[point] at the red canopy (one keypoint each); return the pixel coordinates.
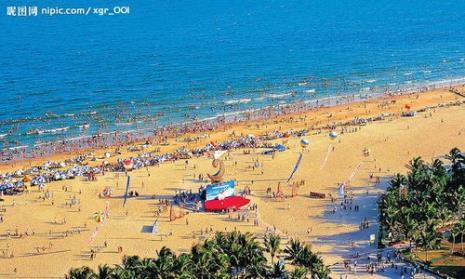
(232, 202)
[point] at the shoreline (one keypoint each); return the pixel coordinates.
(67, 145)
(168, 133)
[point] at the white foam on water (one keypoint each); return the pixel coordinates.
(279, 96)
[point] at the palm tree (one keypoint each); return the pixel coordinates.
(183, 264)
(208, 261)
(253, 257)
(461, 228)
(320, 269)
(272, 245)
(277, 271)
(229, 244)
(104, 272)
(294, 252)
(417, 177)
(454, 156)
(432, 196)
(389, 213)
(257, 268)
(298, 273)
(301, 255)
(122, 273)
(244, 252)
(131, 262)
(428, 239)
(455, 231)
(411, 226)
(80, 273)
(165, 262)
(398, 181)
(147, 268)
(225, 256)
(457, 169)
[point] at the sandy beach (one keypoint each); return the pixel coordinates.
(44, 237)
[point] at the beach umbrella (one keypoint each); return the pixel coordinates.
(99, 217)
(304, 143)
(333, 134)
(26, 179)
(128, 164)
(57, 176)
(280, 147)
(219, 153)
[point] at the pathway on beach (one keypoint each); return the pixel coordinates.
(350, 245)
(386, 270)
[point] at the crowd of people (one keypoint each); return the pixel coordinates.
(389, 262)
(162, 133)
(16, 181)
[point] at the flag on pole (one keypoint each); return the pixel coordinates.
(93, 235)
(127, 190)
(296, 167)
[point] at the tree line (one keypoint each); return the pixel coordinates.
(420, 206)
(226, 255)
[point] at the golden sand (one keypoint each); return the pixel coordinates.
(392, 142)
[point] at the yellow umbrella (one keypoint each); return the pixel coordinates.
(26, 179)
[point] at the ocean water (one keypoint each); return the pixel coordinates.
(175, 61)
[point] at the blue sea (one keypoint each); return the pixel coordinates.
(169, 61)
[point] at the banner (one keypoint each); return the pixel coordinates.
(127, 190)
(296, 167)
(219, 190)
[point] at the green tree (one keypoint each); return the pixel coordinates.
(272, 245)
(80, 273)
(104, 272)
(298, 273)
(300, 254)
(455, 231)
(165, 262)
(277, 271)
